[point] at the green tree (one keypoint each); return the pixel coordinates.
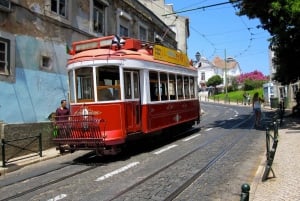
(281, 18)
(214, 81)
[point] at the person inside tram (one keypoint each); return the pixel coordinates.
(104, 93)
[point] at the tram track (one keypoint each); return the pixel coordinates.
(172, 195)
(41, 186)
(211, 162)
(35, 176)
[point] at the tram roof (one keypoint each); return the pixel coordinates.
(106, 48)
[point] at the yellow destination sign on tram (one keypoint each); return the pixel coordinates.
(170, 55)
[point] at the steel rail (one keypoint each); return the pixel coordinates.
(198, 174)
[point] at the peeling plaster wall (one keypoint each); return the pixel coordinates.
(35, 93)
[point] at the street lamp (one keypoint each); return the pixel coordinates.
(198, 57)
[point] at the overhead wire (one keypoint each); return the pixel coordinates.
(207, 36)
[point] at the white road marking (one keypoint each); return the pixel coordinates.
(192, 137)
(165, 149)
(59, 197)
(208, 129)
(117, 171)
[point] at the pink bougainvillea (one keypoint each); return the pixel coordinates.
(255, 76)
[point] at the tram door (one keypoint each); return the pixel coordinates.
(132, 101)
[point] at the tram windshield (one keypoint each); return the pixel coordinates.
(84, 84)
(108, 83)
(106, 78)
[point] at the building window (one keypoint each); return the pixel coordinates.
(202, 76)
(124, 31)
(143, 34)
(98, 17)
(4, 56)
(124, 23)
(46, 63)
(59, 7)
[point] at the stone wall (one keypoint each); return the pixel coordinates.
(27, 133)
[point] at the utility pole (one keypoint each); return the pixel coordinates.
(225, 76)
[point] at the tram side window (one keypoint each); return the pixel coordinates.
(186, 87)
(136, 88)
(164, 86)
(154, 94)
(180, 87)
(172, 87)
(192, 87)
(84, 84)
(108, 83)
(131, 77)
(127, 85)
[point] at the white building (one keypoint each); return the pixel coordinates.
(207, 69)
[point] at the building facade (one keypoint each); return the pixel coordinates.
(178, 24)
(35, 36)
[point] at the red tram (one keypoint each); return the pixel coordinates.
(124, 90)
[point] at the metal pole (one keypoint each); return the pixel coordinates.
(225, 60)
(245, 192)
(3, 153)
(40, 145)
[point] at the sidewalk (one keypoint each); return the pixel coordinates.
(24, 161)
(285, 186)
(286, 165)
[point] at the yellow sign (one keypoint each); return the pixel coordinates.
(170, 55)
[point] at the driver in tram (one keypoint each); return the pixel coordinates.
(104, 94)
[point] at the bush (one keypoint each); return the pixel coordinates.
(253, 84)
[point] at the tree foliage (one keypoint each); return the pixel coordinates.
(281, 18)
(252, 80)
(254, 76)
(214, 81)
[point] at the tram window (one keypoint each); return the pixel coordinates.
(108, 83)
(127, 85)
(172, 87)
(136, 88)
(192, 87)
(179, 87)
(186, 88)
(84, 84)
(129, 78)
(154, 94)
(164, 86)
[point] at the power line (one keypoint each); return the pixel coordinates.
(202, 8)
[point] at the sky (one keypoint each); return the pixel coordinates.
(218, 31)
